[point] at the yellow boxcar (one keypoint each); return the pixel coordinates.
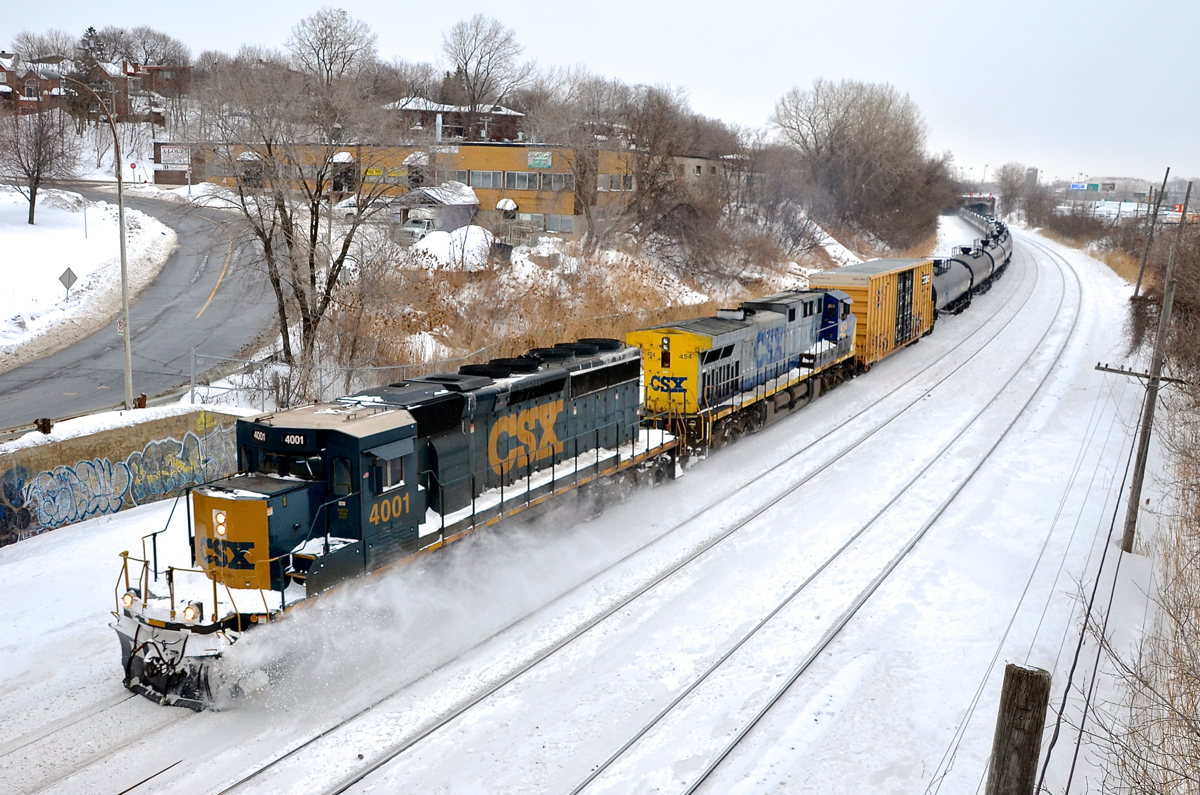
(893, 302)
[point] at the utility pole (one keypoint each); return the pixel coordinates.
(1164, 325)
(127, 332)
(1012, 769)
(1137, 288)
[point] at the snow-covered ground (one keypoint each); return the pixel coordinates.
(998, 418)
(37, 316)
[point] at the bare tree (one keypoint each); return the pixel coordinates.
(1011, 178)
(292, 147)
(863, 145)
(36, 148)
(149, 47)
(108, 44)
(584, 113)
(36, 46)
(332, 46)
(485, 56)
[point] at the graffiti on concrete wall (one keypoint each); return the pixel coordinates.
(34, 502)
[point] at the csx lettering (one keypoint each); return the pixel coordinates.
(228, 554)
(768, 347)
(668, 383)
(527, 436)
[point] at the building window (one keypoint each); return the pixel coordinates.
(521, 180)
(612, 182)
(135, 84)
(698, 170)
(3, 77)
(31, 87)
(487, 179)
(536, 220)
(558, 183)
(560, 223)
(442, 177)
(712, 169)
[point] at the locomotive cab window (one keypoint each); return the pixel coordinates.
(293, 466)
(389, 473)
(342, 482)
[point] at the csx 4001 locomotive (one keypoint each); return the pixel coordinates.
(326, 493)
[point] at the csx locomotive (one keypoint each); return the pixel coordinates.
(330, 492)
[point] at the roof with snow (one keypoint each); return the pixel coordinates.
(448, 194)
(426, 105)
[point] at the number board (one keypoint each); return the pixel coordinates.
(302, 439)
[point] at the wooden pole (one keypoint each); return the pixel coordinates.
(1156, 362)
(1137, 288)
(1012, 769)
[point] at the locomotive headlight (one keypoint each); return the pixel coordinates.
(219, 522)
(129, 597)
(193, 611)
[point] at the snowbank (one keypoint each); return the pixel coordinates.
(108, 420)
(38, 317)
(464, 249)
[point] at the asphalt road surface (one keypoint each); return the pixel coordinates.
(202, 299)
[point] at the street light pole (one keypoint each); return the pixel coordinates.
(128, 332)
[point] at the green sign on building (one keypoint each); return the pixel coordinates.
(540, 159)
(1094, 186)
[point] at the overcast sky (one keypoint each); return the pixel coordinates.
(1092, 87)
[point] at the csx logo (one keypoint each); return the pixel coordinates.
(527, 436)
(228, 554)
(668, 383)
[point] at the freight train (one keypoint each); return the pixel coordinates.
(331, 492)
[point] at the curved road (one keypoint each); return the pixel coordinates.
(172, 316)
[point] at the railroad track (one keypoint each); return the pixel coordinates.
(381, 763)
(56, 753)
(375, 764)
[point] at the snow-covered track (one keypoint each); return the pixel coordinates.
(56, 753)
(1060, 325)
(789, 487)
(865, 594)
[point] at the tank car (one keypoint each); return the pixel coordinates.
(712, 379)
(329, 492)
(952, 281)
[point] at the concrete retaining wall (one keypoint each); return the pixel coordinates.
(56, 483)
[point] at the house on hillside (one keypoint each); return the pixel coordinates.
(170, 82)
(8, 79)
(37, 85)
(440, 121)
